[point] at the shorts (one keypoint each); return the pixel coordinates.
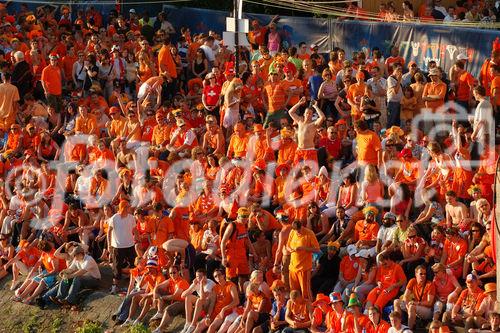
(175, 309)
(237, 267)
(49, 281)
(263, 318)
(306, 155)
(120, 258)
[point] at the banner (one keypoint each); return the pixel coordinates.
(420, 43)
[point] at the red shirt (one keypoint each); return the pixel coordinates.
(211, 94)
(332, 146)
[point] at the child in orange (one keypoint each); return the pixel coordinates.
(298, 311)
(408, 105)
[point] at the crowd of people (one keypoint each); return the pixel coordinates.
(296, 192)
(431, 11)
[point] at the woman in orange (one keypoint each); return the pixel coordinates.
(354, 95)
(146, 68)
(47, 149)
(462, 173)
(439, 173)
(33, 287)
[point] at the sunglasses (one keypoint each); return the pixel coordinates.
(475, 230)
(243, 216)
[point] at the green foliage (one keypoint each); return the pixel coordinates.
(90, 327)
(139, 328)
(30, 326)
(56, 325)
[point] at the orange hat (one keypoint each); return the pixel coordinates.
(193, 82)
(258, 128)
(229, 68)
(113, 110)
(282, 167)
(321, 298)
(340, 122)
(290, 68)
(277, 284)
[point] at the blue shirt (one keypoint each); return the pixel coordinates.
(314, 83)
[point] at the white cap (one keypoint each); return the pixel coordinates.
(352, 250)
(364, 253)
(462, 56)
(313, 46)
(132, 11)
(115, 48)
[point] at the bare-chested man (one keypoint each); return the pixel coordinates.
(306, 131)
(282, 256)
(456, 212)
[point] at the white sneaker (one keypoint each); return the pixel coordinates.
(157, 316)
(114, 290)
(127, 322)
(156, 330)
(186, 326)
(190, 329)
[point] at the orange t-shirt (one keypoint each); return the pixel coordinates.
(276, 96)
(181, 222)
(51, 75)
(349, 268)
(355, 91)
(455, 250)
(465, 82)
(87, 125)
(368, 145)
(421, 293)
(390, 275)
(223, 296)
(301, 260)
(174, 284)
(382, 327)
(298, 310)
(363, 321)
(67, 65)
(166, 61)
(365, 231)
(238, 145)
(291, 86)
(432, 88)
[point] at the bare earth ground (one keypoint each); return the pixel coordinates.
(97, 307)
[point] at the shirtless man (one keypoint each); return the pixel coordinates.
(456, 212)
(306, 131)
(282, 257)
(124, 156)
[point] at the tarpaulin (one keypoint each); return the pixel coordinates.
(420, 43)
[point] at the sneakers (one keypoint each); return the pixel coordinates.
(190, 329)
(127, 322)
(156, 330)
(185, 328)
(114, 290)
(157, 316)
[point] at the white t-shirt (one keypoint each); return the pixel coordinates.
(122, 235)
(209, 285)
(404, 329)
(386, 233)
(484, 112)
(209, 53)
(391, 97)
(89, 264)
(211, 240)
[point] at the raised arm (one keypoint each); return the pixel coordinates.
(292, 112)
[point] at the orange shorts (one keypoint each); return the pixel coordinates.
(306, 155)
(237, 266)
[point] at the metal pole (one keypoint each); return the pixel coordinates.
(237, 14)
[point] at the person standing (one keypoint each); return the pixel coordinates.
(483, 118)
(121, 240)
(394, 95)
(22, 76)
(52, 83)
(302, 243)
(9, 99)
(167, 69)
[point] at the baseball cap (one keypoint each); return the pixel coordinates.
(390, 216)
(352, 250)
(335, 297)
(462, 56)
